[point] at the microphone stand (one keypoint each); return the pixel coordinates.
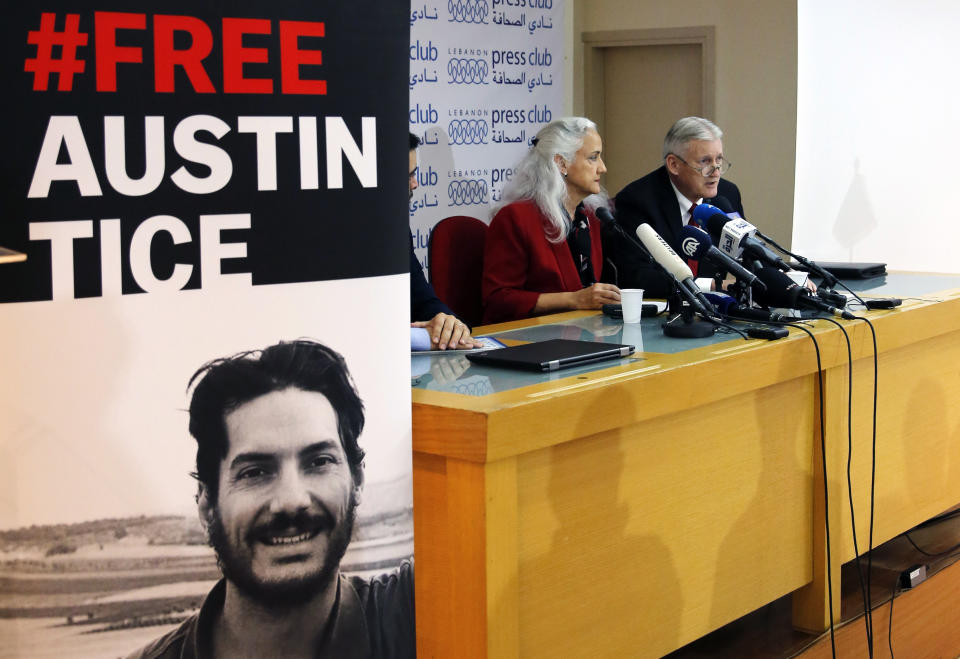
(683, 324)
(828, 281)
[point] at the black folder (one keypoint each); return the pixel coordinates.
(854, 270)
(551, 355)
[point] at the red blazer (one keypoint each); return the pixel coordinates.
(519, 263)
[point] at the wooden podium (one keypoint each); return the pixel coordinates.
(630, 509)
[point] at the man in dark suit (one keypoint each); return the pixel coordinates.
(692, 164)
(426, 309)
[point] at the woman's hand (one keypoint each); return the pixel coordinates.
(595, 296)
(591, 297)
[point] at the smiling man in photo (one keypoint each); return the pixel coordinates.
(280, 475)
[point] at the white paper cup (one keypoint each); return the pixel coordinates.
(631, 301)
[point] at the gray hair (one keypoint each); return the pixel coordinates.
(538, 178)
(686, 130)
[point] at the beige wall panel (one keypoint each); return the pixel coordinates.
(634, 117)
(756, 87)
(917, 418)
(698, 534)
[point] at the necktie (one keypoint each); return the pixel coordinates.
(690, 262)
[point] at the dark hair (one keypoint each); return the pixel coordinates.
(414, 141)
(223, 385)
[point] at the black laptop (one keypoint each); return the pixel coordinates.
(551, 355)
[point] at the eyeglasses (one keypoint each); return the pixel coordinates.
(721, 166)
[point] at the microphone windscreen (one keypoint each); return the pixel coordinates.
(694, 242)
(603, 214)
(662, 253)
(781, 291)
(721, 301)
(715, 224)
(722, 203)
(703, 212)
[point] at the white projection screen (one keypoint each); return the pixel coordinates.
(878, 133)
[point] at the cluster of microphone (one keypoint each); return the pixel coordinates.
(731, 244)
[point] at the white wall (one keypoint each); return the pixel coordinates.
(878, 144)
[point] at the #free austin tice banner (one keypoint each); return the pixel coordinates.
(485, 76)
(188, 181)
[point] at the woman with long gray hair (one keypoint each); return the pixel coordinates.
(543, 252)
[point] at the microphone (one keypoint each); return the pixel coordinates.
(832, 297)
(803, 263)
(782, 292)
(604, 215)
(703, 212)
(696, 244)
(663, 254)
(736, 236)
(724, 205)
(721, 302)
(826, 277)
(743, 312)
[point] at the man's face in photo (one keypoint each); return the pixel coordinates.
(285, 509)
